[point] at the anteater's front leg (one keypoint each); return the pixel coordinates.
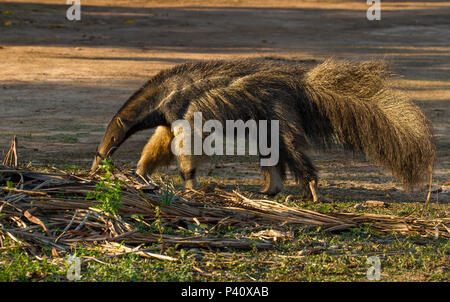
(188, 168)
(273, 180)
(157, 152)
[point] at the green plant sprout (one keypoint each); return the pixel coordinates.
(107, 192)
(167, 195)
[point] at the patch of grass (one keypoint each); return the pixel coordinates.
(343, 258)
(16, 265)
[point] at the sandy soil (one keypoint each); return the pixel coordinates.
(61, 81)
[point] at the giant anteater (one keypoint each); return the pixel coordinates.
(349, 104)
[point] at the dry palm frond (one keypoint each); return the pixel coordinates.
(11, 158)
(56, 203)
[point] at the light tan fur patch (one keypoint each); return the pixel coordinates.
(157, 152)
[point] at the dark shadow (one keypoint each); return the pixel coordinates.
(170, 60)
(337, 194)
(200, 29)
(237, 27)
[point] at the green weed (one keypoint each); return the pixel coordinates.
(107, 192)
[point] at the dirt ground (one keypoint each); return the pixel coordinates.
(61, 81)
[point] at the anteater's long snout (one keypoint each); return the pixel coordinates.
(124, 124)
(115, 134)
(95, 163)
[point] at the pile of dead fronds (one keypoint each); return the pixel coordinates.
(50, 209)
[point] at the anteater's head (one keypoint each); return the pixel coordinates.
(122, 126)
(116, 133)
(138, 113)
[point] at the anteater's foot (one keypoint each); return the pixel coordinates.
(142, 172)
(273, 181)
(312, 194)
(190, 184)
(270, 191)
(145, 183)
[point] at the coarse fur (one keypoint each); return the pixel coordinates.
(157, 151)
(334, 103)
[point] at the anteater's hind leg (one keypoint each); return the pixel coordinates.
(273, 180)
(309, 179)
(293, 156)
(157, 152)
(310, 191)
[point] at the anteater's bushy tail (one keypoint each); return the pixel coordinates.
(352, 105)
